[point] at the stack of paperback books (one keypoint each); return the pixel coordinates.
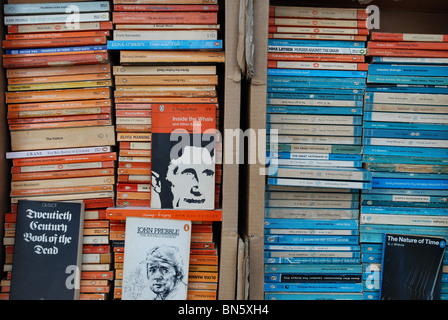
(405, 145)
(166, 79)
(59, 116)
(315, 102)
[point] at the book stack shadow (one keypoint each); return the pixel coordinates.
(405, 141)
(59, 115)
(167, 57)
(315, 86)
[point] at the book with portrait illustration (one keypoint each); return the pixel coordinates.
(183, 156)
(156, 259)
(47, 251)
(412, 267)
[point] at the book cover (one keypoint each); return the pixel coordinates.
(47, 250)
(183, 156)
(411, 267)
(157, 266)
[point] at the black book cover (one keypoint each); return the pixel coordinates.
(411, 267)
(47, 251)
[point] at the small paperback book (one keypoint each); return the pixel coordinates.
(412, 267)
(47, 251)
(183, 157)
(156, 259)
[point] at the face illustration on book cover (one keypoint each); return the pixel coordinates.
(160, 276)
(186, 183)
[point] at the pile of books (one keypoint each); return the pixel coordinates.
(315, 102)
(59, 114)
(168, 59)
(405, 145)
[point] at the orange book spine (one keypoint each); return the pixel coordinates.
(165, 18)
(407, 45)
(133, 113)
(133, 203)
(46, 61)
(133, 107)
(78, 77)
(55, 112)
(96, 224)
(60, 119)
(133, 195)
(318, 23)
(162, 8)
(135, 153)
(62, 174)
(58, 71)
(62, 167)
(57, 95)
(130, 145)
(138, 171)
(105, 275)
(129, 136)
(116, 213)
(132, 128)
(317, 65)
(203, 259)
(144, 100)
(59, 105)
(166, 80)
(314, 30)
(386, 36)
(99, 203)
(123, 91)
(315, 12)
(314, 57)
(61, 190)
(134, 57)
(59, 27)
(133, 178)
(66, 124)
(407, 53)
(201, 237)
(108, 156)
(128, 164)
(56, 35)
(133, 187)
(202, 276)
(48, 43)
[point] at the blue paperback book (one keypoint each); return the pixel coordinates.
(163, 44)
(408, 70)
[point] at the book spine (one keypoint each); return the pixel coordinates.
(316, 12)
(167, 80)
(409, 183)
(60, 42)
(313, 110)
(162, 8)
(57, 71)
(333, 130)
(408, 45)
(60, 85)
(317, 73)
(57, 95)
(317, 65)
(309, 30)
(68, 78)
(55, 18)
(56, 50)
(163, 44)
(404, 117)
(49, 8)
(315, 50)
(170, 56)
(66, 60)
(319, 183)
(405, 134)
(56, 152)
(62, 166)
(301, 36)
(316, 43)
(310, 239)
(406, 142)
(56, 35)
(312, 57)
(315, 82)
(407, 53)
(62, 174)
(308, 119)
(164, 70)
(383, 36)
(313, 156)
(405, 151)
(62, 138)
(407, 70)
(165, 17)
(406, 98)
(328, 23)
(58, 27)
(385, 79)
(166, 35)
(403, 219)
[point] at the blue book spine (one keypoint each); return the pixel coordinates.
(313, 260)
(317, 43)
(426, 143)
(314, 296)
(316, 82)
(405, 151)
(425, 230)
(323, 156)
(404, 204)
(371, 248)
(315, 96)
(314, 268)
(312, 247)
(316, 73)
(404, 210)
(409, 183)
(407, 160)
(409, 134)
(313, 287)
(313, 110)
(410, 192)
(404, 199)
(163, 44)
(427, 90)
(393, 79)
(400, 125)
(311, 224)
(323, 102)
(407, 175)
(56, 50)
(389, 60)
(310, 239)
(408, 70)
(319, 183)
(308, 90)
